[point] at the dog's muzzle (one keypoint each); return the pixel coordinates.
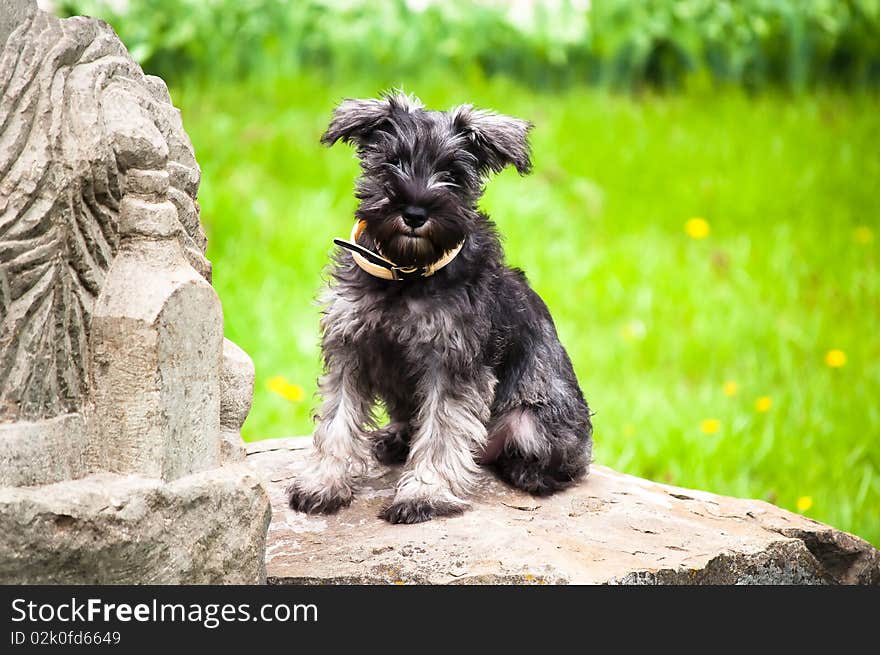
(378, 266)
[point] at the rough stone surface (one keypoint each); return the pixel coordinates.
(237, 385)
(114, 373)
(48, 450)
(156, 342)
(237, 390)
(206, 528)
(80, 122)
(611, 529)
(14, 13)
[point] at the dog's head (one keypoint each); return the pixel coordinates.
(423, 171)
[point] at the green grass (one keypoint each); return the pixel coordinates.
(655, 321)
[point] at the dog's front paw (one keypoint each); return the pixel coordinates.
(391, 444)
(419, 510)
(322, 501)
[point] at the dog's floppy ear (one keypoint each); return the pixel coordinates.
(495, 140)
(353, 120)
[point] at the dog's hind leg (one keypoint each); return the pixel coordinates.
(390, 444)
(538, 451)
(340, 446)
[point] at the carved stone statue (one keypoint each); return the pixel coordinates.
(120, 400)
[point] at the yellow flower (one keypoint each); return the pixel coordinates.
(804, 503)
(835, 358)
(763, 404)
(863, 234)
(730, 388)
(285, 389)
(697, 228)
(710, 426)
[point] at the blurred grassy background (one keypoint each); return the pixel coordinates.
(703, 219)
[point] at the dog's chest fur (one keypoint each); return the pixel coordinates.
(402, 333)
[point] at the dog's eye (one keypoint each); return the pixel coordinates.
(455, 175)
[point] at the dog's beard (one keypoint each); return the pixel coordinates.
(408, 249)
(421, 246)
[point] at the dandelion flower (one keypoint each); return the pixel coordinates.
(804, 503)
(278, 384)
(697, 228)
(730, 388)
(835, 358)
(863, 234)
(710, 426)
(763, 404)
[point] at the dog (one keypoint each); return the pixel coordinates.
(422, 314)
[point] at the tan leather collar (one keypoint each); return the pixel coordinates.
(379, 266)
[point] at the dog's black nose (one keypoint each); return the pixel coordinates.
(414, 216)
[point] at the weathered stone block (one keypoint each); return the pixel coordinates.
(157, 340)
(206, 528)
(114, 374)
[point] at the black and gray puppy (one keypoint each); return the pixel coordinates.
(423, 315)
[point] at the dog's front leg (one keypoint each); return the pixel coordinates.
(340, 447)
(450, 430)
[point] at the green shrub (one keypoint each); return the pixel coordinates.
(623, 44)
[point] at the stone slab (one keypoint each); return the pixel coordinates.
(611, 529)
